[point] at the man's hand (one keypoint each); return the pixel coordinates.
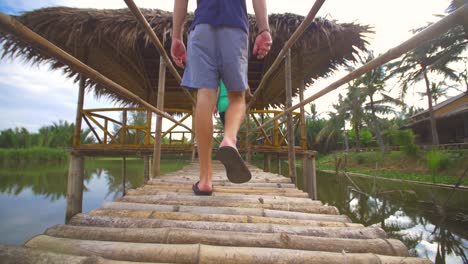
(178, 52)
(262, 45)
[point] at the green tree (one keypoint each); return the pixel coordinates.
(372, 84)
(433, 57)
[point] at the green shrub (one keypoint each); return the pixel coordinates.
(405, 139)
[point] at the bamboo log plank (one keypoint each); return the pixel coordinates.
(220, 180)
(123, 222)
(225, 210)
(153, 191)
(294, 207)
(15, 255)
(219, 177)
(267, 185)
(216, 218)
(243, 199)
(222, 238)
(196, 253)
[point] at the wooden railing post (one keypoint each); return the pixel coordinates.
(290, 121)
(124, 127)
(160, 105)
(146, 165)
(309, 174)
(124, 175)
(194, 141)
(79, 115)
(75, 186)
(267, 162)
(248, 154)
(149, 116)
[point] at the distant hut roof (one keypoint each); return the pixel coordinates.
(112, 42)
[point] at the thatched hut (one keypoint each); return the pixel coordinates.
(113, 43)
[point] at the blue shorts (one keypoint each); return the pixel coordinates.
(215, 53)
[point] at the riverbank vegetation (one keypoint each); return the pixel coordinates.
(444, 167)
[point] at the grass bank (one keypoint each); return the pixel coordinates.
(36, 155)
(398, 165)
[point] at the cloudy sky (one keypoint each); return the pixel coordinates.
(33, 96)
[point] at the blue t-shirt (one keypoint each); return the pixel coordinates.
(227, 13)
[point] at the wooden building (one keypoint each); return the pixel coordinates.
(451, 118)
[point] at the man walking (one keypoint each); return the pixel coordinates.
(217, 48)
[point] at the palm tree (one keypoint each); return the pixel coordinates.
(433, 57)
(373, 83)
(334, 128)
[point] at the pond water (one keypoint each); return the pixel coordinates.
(432, 222)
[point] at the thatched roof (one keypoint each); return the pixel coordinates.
(112, 42)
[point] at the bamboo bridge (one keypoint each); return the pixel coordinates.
(266, 220)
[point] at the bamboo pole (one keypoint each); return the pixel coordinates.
(420, 38)
(216, 192)
(225, 210)
(311, 176)
(291, 134)
(15, 254)
(124, 174)
(181, 216)
(198, 253)
(160, 105)
(79, 109)
(338, 232)
(146, 165)
(292, 40)
(75, 186)
(273, 186)
(267, 162)
(223, 238)
(290, 207)
(226, 198)
(154, 38)
(11, 25)
(302, 116)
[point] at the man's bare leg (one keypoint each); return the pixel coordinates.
(206, 100)
(234, 116)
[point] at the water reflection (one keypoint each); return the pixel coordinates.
(34, 198)
(432, 222)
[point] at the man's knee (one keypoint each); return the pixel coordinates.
(236, 96)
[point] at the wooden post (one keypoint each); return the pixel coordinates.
(79, 115)
(149, 116)
(146, 164)
(75, 186)
(309, 173)
(301, 98)
(278, 165)
(124, 175)
(290, 121)
(267, 162)
(276, 133)
(248, 154)
(160, 105)
(123, 140)
(194, 141)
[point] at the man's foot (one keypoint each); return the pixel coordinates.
(196, 189)
(236, 170)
